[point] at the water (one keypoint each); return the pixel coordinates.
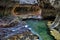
(40, 28)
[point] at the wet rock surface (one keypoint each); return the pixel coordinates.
(15, 28)
(10, 26)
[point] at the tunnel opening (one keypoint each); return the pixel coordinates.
(25, 10)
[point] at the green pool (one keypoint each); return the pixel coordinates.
(40, 28)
